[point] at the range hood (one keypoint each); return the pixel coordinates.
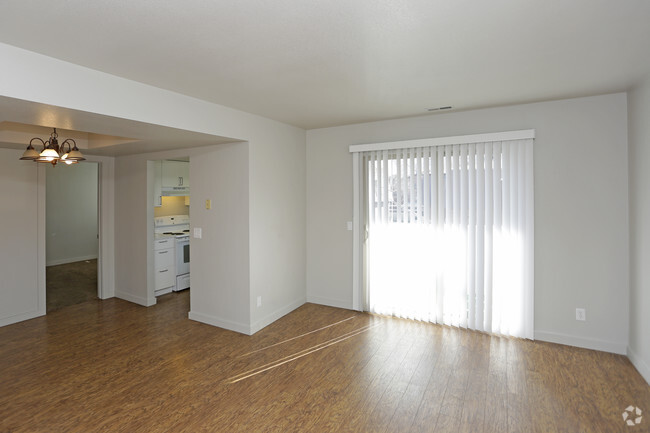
(175, 191)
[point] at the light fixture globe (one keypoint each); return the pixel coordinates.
(75, 155)
(49, 153)
(30, 154)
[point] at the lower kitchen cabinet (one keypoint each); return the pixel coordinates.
(164, 266)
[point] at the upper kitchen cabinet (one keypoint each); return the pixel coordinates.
(175, 177)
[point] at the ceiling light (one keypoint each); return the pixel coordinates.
(52, 152)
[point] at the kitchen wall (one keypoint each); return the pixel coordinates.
(22, 294)
(581, 209)
(71, 213)
(639, 162)
(172, 206)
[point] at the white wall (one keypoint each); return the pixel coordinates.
(277, 226)
(581, 217)
(132, 240)
(220, 260)
(71, 213)
(639, 170)
(22, 270)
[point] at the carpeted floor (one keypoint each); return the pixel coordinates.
(71, 283)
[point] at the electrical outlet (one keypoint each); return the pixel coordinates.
(581, 314)
(259, 301)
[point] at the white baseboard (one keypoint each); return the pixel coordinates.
(584, 342)
(219, 322)
(20, 317)
(639, 363)
(270, 318)
(329, 302)
(70, 260)
(134, 298)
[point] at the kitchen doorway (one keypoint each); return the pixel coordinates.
(71, 234)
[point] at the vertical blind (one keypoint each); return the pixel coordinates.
(450, 235)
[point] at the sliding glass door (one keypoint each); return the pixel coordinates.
(449, 234)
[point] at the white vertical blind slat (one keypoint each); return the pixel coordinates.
(384, 186)
(489, 231)
(404, 180)
(479, 279)
(426, 164)
(371, 187)
(470, 271)
(441, 196)
(398, 156)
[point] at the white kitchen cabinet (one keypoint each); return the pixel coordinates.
(175, 174)
(164, 265)
(157, 183)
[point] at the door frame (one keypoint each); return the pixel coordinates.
(105, 228)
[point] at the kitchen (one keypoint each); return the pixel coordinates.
(171, 226)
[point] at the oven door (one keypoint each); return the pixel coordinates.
(182, 256)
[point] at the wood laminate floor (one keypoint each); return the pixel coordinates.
(70, 283)
(112, 366)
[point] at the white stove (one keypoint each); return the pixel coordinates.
(178, 228)
(174, 225)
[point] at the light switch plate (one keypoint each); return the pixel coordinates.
(197, 232)
(208, 204)
(349, 225)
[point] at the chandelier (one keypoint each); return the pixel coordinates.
(52, 152)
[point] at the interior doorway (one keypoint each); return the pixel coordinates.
(71, 234)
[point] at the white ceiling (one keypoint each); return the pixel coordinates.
(318, 63)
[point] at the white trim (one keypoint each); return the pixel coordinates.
(105, 225)
(151, 279)
(639, 364)
(106, 228)
(584, 342)
(41, 205)
(356, 233)
(337, 303)
(20, 317)
(242, 328)
(71, 260)
(135, 299)
(444, 141)
(270, 318)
